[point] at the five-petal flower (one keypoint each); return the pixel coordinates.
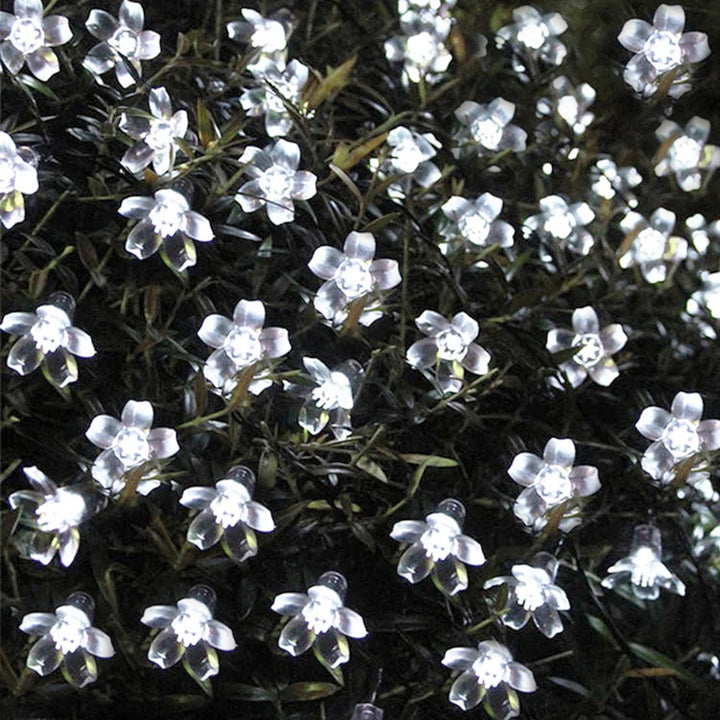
(127, 444)
(228, 511)
(559, 222)
(438, 546)
(487, 130)
(474, 223)
(48, 337)
(676, 435)
(68, 637)
(269, 35)
(189, 632)
(18, 177)
(570, 103)
(610, 181)
(320, 618)
(122, 41)
(27, 37)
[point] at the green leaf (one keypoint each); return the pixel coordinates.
(658, 660)
(428, 460)
(308, 691)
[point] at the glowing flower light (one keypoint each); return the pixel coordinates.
(156, 137)
(228, 512)
(594, 348)
(686, 152)
(706, 301)
(68, 637)
(351, 275)
(240, 343)
(474, 223)
(610, 181)
(320, 618)
(276, 181)
(438, 546)
(643, 569)
(660, 47)
(27, 37)
(550, 481)
(367, 711)
(48, 337)
(56, 513)
(127, 444)
(651, 244)
(189, 633)
(676, 435)
(18, 177)
(166, 221)
(569, 103)
(560, 222)
(488, 675)
(532, 593)
(267, 35)
(123, 41)
(487, 130)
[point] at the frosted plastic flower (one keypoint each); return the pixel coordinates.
(676, 435)
(487, 130)
(27, 37)
(474, 223)
(166, 221)
(123, 41)
(550, 481)
(659, 47)
(56, 513)
(189, 633)
(563, 223)
(269, 35)
(351, 275)
(68, 637)
(18, 177)
(367, 711)
(643, 569)
(593, 348)
(436, 7)
(489, 675)
(706, 301)
(240, 343)
(532, 38)
(127, 444)
(610, 181)
(686, 152)
(48, 337)
(276, 87)
(570, 103)
(532, 593)
(320, 618)
(438, 547)
(276, 181)
(650, 244)
(702, 233)
(228, 512)
(156, 137)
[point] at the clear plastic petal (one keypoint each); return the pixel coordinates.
(548, 622)
(18, 323)
(431, 323)
(159, 616)
(613, 338)
(44, 657)
(460, 658)
(137, 414)
(687, 406)
(57, 30)
(204, 530)
(408, 531)
(350, 623)
(657, 461)
(634, 35)
(148, 45)
(249, 313)
(670, 18)
(100, 59)
(296, 637)
(198, 498)
(37, 623)
(585, 320)
(415, 565)
(165, 649)
(452, 575)
(107, 469)
(240, 542)
(132, 15)
(98, 643)
(61, 367)
(423, 353)
(79, 343)
(202, 661)
(477, 359)
(81, 668)
(68, 546)
(275, 342)
(12, 58)
(325, 262)
(214, 330)
(695, 46)
(280, 210)
(585, 480)
(24, 356)
(605, 372)
(101, 24)
(139, 156)
(286, 154)
(559, 451)
(469, 551)
(197, 226)
(529, 506)
(524, 468)
(163, 442)
(219, 635)
(558, 340)
(259, 517)
(652, 422)
(709, 432)
(466, 692)
(360, 246)
(289, 603)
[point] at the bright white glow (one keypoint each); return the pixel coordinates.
(662, 49)
(490, 669)
(319, 613)
(645, 567)
(421, 49)
(277, 182)
(228, 506)
(649, 245)
(189, 625)
(681, 438)
(407, 156)
(68, 633)
(684, 153)
(7, 174)
(569, 109)
(451, 345)
(475, 227)
(591, 349)
(269, 35)
(287, 89)
(131, 446)
(64, 510)
(27, 35)
(532, 34)
(333, 393)
(167, 214)
(487, 132)
(530, 594)
(553, 484)
(560, 225)
(604, 188)
(547, 168)
(125, 41)
(160, 136)
(353, 277)
(439, 538)
(49, 332)
(243, 346)
(575, 152)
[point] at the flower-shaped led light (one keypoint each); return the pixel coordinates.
(166, 221)
(686, 152)
(188, 632)
(650, 244)
(127, 444)
(489, 675)
(228, 512)
(643, 569)
(610, 181)
(27, 37)
(277, 87)
(56, 513)
(449, 348)
(474, 223)
(550, 481)
(68, 637)
(676, 435)
(156, 136)
(532, 38)
(706, 301)
(659, 47)
(562, 223)
(367, 711)
(269, 36)
(18, 177)
(438, 546)
(276, 181)
(320, 618)
(122, 41)
(328, 403)
(532, 593)
(351, 275)
(487, 130)
(240, 343)
(569, 103)
(48, 337)
(594, 348)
